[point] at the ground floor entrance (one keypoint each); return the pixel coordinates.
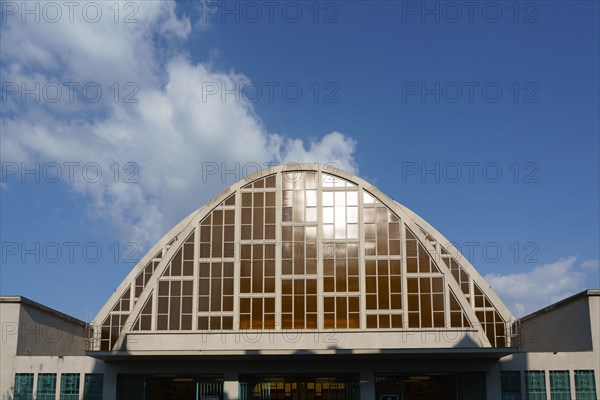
(299, 387)
(169, 387)
(431, 386)
(292, 386)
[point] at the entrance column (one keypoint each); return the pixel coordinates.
(367, 384)
(231, 386)
(494, 391)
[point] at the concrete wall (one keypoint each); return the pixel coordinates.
(564, 328)
(44, 334)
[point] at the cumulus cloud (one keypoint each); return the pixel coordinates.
(530, 291)
(170, 132)
(591, 264)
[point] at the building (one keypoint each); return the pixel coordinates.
(301, 282)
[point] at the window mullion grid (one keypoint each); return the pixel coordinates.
(278, 248)
(320, 254)
(403, 272)
(361, 260)
(237, 259)
(196, 277)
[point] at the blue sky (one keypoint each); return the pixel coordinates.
(482, 120)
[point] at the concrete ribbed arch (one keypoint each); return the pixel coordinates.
(169, 244)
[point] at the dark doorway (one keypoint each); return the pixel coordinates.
(169, 387)
(431, 386)
(177, 388)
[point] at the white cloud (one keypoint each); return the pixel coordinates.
(169, 133)
(592, 264)
(530, 291)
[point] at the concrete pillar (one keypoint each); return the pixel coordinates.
(367, 384)
(231, 386)
(109, 386)
(492, 381)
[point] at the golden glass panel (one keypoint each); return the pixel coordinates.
(245, 284)
(269, 321)
(413, 302)
(437, 285)
(396, 303)
(187, 288)
(259, 200)
(270, 215)
(438, 319)
(244, 321)
(354, 321)
(228, 303)
(411, 248)
(329, 320)
(270, 181)
(230, 201)
(227, 322)
(412, 285)
(341, 312)
(329, 304)
(396, 321)
(372, 321)
(163, 305)
(370, 267)
(413, 320)
(217, 217)
(425, 285)
(384, 321)
(353, 304)
(186, 322)
(371, 283)
(203, 323)
(426, 318)
(269, 305)
(395, 284)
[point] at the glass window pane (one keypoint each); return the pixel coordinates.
(69, 387)
(585, 385)
(23, 387)
(46, 387)
(535, 385)
(93, 387)
(560, 386)
(511, 385)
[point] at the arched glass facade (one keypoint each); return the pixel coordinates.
(302, 249)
